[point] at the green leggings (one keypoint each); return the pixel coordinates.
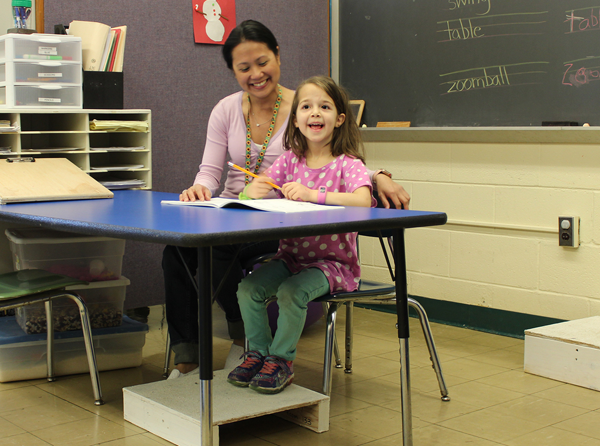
(293, 291)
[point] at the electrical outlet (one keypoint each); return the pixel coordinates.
(568, 231)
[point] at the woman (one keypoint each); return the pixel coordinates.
(248, 126)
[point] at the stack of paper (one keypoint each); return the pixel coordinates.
(118, 167)
(116, 183)
(119, 126)
(6, 126)
(52, 149)
(117, 149)
(103, 47)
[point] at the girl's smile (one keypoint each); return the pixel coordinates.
(316, 116)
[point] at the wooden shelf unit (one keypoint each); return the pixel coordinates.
(66, 133)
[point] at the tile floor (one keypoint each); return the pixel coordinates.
(493, 401)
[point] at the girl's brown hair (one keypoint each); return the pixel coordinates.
(345, 139)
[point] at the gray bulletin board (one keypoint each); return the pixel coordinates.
(181, 81)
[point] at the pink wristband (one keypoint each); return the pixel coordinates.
(322, 195)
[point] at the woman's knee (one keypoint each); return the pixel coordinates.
(175, 257)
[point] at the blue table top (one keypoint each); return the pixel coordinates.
(139, 215)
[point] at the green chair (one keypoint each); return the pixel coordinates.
(30, 286)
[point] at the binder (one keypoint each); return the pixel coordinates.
(93, 41)
(46, 179)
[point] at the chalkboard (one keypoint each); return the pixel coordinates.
(472, 62)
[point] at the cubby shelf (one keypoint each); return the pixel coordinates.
(65, 133)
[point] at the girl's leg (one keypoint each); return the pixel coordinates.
(253, 292)
(293, 296)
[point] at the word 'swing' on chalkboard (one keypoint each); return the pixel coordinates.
(472, 62)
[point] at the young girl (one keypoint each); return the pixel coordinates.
(323, 164)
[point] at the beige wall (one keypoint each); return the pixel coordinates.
(503, 191)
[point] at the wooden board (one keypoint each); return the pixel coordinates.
(394, 124)
(568, 352)
(170, 409)
(47, 179)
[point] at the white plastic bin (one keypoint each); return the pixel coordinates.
(41, 47)
(47, 72)
(104, 301)
(23, 356)
(48, 96)
(80, 256)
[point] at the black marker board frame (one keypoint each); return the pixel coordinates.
(472, 62)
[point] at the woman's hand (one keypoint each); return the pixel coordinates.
(195, 193)
(259, 187)
(388, 191)
(298, 192)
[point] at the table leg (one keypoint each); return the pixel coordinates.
(403, 335)
(205, 344)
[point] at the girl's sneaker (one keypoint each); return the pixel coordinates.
(275, 375)
(243, 374)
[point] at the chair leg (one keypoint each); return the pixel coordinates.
(49, 341)
(349, 319)
(89, 346)
(329, 341)
(167, 356)
(336, 350)
(431, 346)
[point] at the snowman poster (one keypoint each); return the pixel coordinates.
(213, 20)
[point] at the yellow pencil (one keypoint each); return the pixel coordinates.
(230, 164)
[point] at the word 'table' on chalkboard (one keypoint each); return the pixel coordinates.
(472, 62)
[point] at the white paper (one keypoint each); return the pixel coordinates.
(269, 205)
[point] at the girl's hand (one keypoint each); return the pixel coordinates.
(259, 187)
(298, 192)
(195, 193)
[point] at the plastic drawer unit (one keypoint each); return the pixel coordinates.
(40, 71)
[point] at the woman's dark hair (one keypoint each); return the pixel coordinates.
(248, 30)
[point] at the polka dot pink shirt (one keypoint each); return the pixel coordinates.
(336, 254)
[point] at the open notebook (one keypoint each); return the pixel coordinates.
(270, 205)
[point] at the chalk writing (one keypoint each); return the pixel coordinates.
(499, 25)
(585, 19)
(456, 4)
(491, 77)
(463, 31)
(578, 75)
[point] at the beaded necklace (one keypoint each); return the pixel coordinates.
(263, 149)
